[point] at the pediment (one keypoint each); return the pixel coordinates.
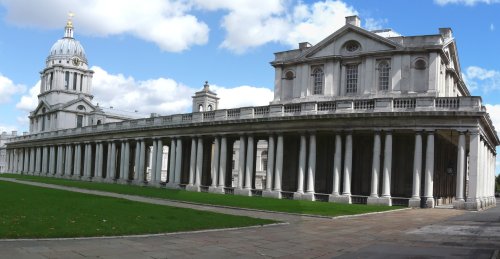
(79, 105)
(334, 45)
(40, 108)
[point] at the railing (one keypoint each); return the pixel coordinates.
(256, 192)
(261, 111)
(287, 195)
(364, 104)
(357, 199)
(209, 115)
(414, 104)
(292, 108)
(327, 106)
(321, 197)
(447, 102)
(404, 103)
(233, 113)
(228, 190)
(398, 201)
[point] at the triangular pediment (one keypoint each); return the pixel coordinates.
(79, 105)
(334, 45)
(43, 107)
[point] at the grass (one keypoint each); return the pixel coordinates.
(36, 212)
(270, 204)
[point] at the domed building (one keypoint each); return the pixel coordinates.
(65, 99)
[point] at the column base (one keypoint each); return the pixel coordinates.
(297, 195)
(372, 201)
(429, 202)
(214, 189)
(271, 194)
(172, 186)
(415, 203)
(154, 184)
(307, 196)
(473, 205)
(193, 188)
(385, 201)
(459, 204)
(243, 192)
(340, 199)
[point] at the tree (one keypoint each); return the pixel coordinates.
(497, 183)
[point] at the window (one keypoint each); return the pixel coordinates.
(232, 165)
(289, 75)
(210, 108)
(66, 80)
(351, 76)
(200, 107)
(81, 83)
(352, 46)
(81, 107)
(383, 75)
(51, 80)
(264, 164)
(74, 80)
(318, 80)
(420, 64)
(79, 121)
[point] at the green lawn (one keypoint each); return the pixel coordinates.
(292, 206)
(34, 212)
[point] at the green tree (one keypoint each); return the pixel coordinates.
(497, 185)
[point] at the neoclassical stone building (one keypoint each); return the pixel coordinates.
(361, 117)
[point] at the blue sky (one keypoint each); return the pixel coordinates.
(158, 52)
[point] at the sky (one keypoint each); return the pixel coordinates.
(152, 55)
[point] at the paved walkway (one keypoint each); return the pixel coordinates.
(437, 233)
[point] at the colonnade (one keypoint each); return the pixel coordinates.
(190, 161)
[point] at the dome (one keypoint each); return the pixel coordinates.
(67, 48)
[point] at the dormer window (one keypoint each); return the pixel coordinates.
(318, 80)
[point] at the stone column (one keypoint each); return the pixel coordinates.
(311, 169)
(126, 162)
(142, 161)
(222, 164)
(45, 160)
(270, 165)
(178, 162)
(473, 202)
(429, 171)
(199, 163)
(302, 166)
(59, 162)
(153, 161)
(249, 163)
(171, 170)
(98, 162)
(68, 168)
(52, 162)
(32, 160)
(279, 167)
(122, 161)
(346, 194)
(112, 163)
(26, 161)
(192, 162)
(136, 160)
(38, 161)
(386, 187)
(417, 170)
(241, 162)
(373, 199)
(215, 165)
(159, 160)
(459, 202)
(78, 160)
(337, 163)
(108, 162)
(86, 162)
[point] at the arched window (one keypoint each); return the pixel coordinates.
(210, 108)
(383, 75)
(98, 122)
(420, 64)
(289, 75)
(318, 80)
(200, 107)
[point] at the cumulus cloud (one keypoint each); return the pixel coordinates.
(485, 80)
(165, 95)
(8, 89)
(29, 102)
(166, 23)
(375, 24)
(466, 2)
(7, 128)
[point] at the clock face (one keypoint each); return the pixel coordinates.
(76, 61)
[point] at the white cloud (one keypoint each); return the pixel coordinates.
(164, 95)
(375, 24)
(466, 2)
(7, 128)
(166, 23)
(253, 23)
(8, 89)
(29, 102)
(481, 78)
(494, 111)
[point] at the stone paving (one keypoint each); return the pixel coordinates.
(410, 233)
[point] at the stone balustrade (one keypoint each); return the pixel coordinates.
(416, 104)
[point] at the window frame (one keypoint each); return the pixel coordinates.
(386, 75)
(351, 84)
(318, 80)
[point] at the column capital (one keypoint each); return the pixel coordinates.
(419, 132)
(473, 132)
(430, 132)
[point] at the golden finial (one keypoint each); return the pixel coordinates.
(69, 23)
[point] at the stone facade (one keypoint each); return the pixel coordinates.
(4, 138)
(361, 117)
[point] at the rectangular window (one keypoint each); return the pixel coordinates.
(81, 83)
(66, 80)
(383, 75)
(264, 164)
(79, 121)
(75, 77)
(51, 80)
(351, 76)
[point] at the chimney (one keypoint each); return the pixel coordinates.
(446, 33)
(353, 20)
(304, 45)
